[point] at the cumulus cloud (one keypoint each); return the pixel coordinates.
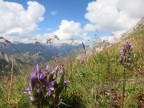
(113, 15)
(112, 38)
(67, 32)
(90, 27)
(16, 21)
(133, 8)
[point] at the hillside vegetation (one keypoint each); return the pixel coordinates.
(98, 81)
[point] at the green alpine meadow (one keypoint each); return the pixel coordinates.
(72, 54)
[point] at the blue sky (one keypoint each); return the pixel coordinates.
(79, 20)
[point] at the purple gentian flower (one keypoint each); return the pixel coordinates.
(41, 76)
(49, 87)
(33, 76)
(129, 59)
(32, 99)
(53, 83)
(53, 72)
(41, 88)
(120, 59)
(50, 90)
(33, 80)
(65, 83)
(125, 53)
(47, 69)
(62, 72)
(28, 90)
(38, 69)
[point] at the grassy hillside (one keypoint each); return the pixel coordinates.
(98, 81)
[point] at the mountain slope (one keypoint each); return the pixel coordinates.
(6, 63)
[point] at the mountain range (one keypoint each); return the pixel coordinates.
(38, 51)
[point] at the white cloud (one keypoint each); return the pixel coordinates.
(114, 37)
(90, 27)
(16, 21)
(115, 15)
(54, 12)
(134, 8)
(67, 31)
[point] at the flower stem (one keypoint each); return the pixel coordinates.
(123, 89)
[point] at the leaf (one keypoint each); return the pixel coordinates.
(65, 104)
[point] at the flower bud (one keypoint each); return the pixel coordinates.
(47, 69)
(52, 73)
(129, 59)
(62, 72)
(38, 70)
(41, 76)
(65, 83)
(32, 99)
(120, 59)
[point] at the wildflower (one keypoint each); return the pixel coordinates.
(120, 59)
(44, 88)
(32, 99)
(66, 83)
(125, 60)
(38, 70)
(54, 72)
(49, 90)
(62, 71)
(47, 69)
(28, 90)
(126, 53)
(129, 59)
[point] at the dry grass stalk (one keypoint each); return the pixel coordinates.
(11, 79)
